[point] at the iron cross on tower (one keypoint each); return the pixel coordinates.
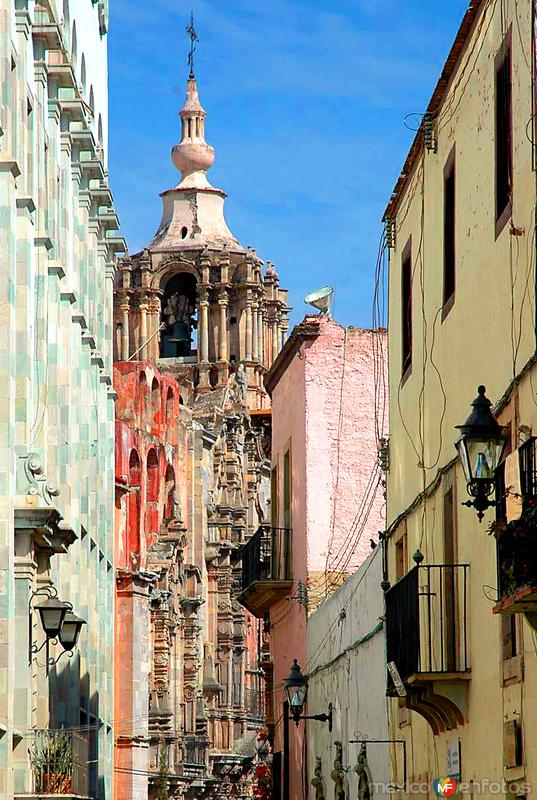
(193, 39)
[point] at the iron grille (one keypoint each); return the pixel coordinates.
(528, 472)
(516, 540)
(426, 621)
(254, 703)
(60, 761)
(267, 556)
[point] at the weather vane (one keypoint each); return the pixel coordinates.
(193, 39)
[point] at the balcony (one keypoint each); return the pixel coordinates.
(253, 701)
(195, 757)
(515, 531)
(60, 763)
(426, 642)
(266, 569)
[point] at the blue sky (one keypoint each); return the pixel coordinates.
(305, 101)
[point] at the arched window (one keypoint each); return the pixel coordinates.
(83, 73)
(169, 493)
(91, 100)
(155, 401)
(100, 134)
(179, 317)
(170, 404)
(152, 476)
(142, 397)
(133, 509)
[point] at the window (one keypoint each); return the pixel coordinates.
(287, 523)
(504, 134)
(509, 636)
(401, 553)
(449, 233)
(274, 514)
(513, 752)
(406, 307)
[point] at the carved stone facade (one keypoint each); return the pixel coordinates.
(198, 316)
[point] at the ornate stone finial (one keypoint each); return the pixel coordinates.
(337, 773)
(364, 774)
(193, 156)
(317, 780)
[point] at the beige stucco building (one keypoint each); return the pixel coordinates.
(461, 235)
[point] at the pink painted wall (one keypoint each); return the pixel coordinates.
(288, 634)
(341, 449)
(323, 405)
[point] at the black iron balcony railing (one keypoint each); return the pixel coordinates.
(60, 762)
(516, 538)
(253, 699)
(194, 751)
(267, 556)
(426, 622)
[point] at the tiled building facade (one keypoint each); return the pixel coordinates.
(57, 250)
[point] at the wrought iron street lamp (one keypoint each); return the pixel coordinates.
(481, 446)
(57, 621)
(296, 688)
(70, 631)
(52, 612)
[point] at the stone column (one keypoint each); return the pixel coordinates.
(125, 329)
(260, 334)
(222, 342)
(275, 340)
(154, 349)
(203, 327)
(248, 330)
(143, 329)
(255, 340)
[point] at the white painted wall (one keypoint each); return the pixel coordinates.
(351, 676)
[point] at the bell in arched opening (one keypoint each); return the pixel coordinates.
(179, 317)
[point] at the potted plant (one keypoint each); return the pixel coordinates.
(52, 761)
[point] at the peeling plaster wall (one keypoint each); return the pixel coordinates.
(324, 396)
(341, 447)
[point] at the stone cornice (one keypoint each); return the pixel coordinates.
(308, 330)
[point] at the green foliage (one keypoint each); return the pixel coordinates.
(163, 772)
(52, 759)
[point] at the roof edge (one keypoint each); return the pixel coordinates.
(452, 62)
(307, 330)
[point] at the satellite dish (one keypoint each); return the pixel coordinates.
(320, 298)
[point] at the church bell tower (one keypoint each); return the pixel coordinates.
(195, 300)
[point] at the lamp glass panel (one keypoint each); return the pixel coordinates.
(70, 631)
(480, 456)
(52, 614)
(461, 446)
(298, 696)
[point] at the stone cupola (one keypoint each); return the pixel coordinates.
(193, 211)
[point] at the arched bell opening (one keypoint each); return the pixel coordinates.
(179, 317)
